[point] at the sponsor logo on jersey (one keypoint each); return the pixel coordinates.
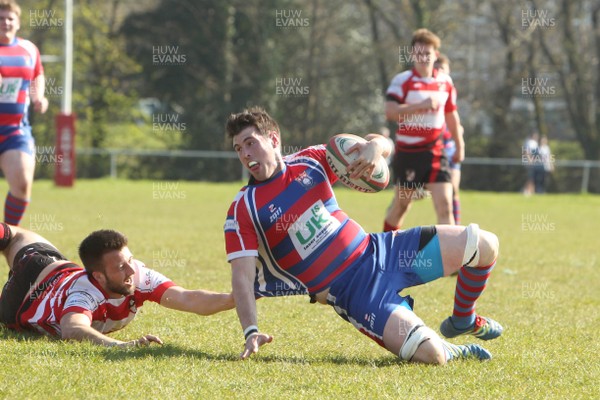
(9, 89)
(312, 228)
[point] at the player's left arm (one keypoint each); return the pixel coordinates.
(369, 153)
(202, 302)
(456, 130)
(38, 94)
(78, 326)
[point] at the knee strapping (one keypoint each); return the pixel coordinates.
(417, 336)
(5, 235)
(471, 255)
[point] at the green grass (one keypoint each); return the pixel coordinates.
(544, 291)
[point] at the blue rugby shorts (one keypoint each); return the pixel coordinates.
(367, 293)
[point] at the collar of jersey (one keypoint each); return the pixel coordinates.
(254, 182)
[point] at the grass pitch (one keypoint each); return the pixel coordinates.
(544, 290)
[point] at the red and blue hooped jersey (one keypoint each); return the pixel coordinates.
(294, 226)
(19, 65)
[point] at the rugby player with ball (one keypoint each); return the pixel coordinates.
(286, 234)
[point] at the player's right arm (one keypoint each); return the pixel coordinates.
(242, 283)
(78, 326)
(394, 110)
(396, 105)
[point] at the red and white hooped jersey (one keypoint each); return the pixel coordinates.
(71, 290)
(294, 226)
(425, 127)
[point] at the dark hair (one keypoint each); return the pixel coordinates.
(253, 116)
(98, 243)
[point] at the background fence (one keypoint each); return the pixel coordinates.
(486, 174)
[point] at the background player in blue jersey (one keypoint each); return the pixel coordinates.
(22, 81)
(286, 234)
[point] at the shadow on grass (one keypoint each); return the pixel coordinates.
(170, 350)
(20, 336)
(173, 351)
(164, 351)
(334, 359)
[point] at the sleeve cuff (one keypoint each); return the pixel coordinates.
(240, 254)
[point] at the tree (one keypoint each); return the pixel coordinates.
(572, 47)
(102, 85)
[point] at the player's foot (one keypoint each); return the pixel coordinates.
(454, 351)
(484, 328)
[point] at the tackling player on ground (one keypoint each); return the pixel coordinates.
(48, 294)
(285, 233)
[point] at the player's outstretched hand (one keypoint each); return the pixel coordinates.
(144, 341)
(253, 342)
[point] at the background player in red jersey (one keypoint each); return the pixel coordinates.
(22, 79)
(422, 100)
(48, 294)
(286, 234)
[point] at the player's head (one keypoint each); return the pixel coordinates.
(257, 141)
(10, 5)
(107, 259)
(10, 13)
(442, 63)
(253, 116)
(425, 45)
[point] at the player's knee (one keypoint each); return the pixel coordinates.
(488, 248)
(431, 352)
(481, 248)
(423, 345)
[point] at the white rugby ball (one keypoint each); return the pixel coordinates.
(338, 160)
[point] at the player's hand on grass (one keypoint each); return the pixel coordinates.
(253, 342)
(143, 341)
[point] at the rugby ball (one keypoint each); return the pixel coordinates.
(338, 160)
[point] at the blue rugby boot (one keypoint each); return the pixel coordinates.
(484, 328)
